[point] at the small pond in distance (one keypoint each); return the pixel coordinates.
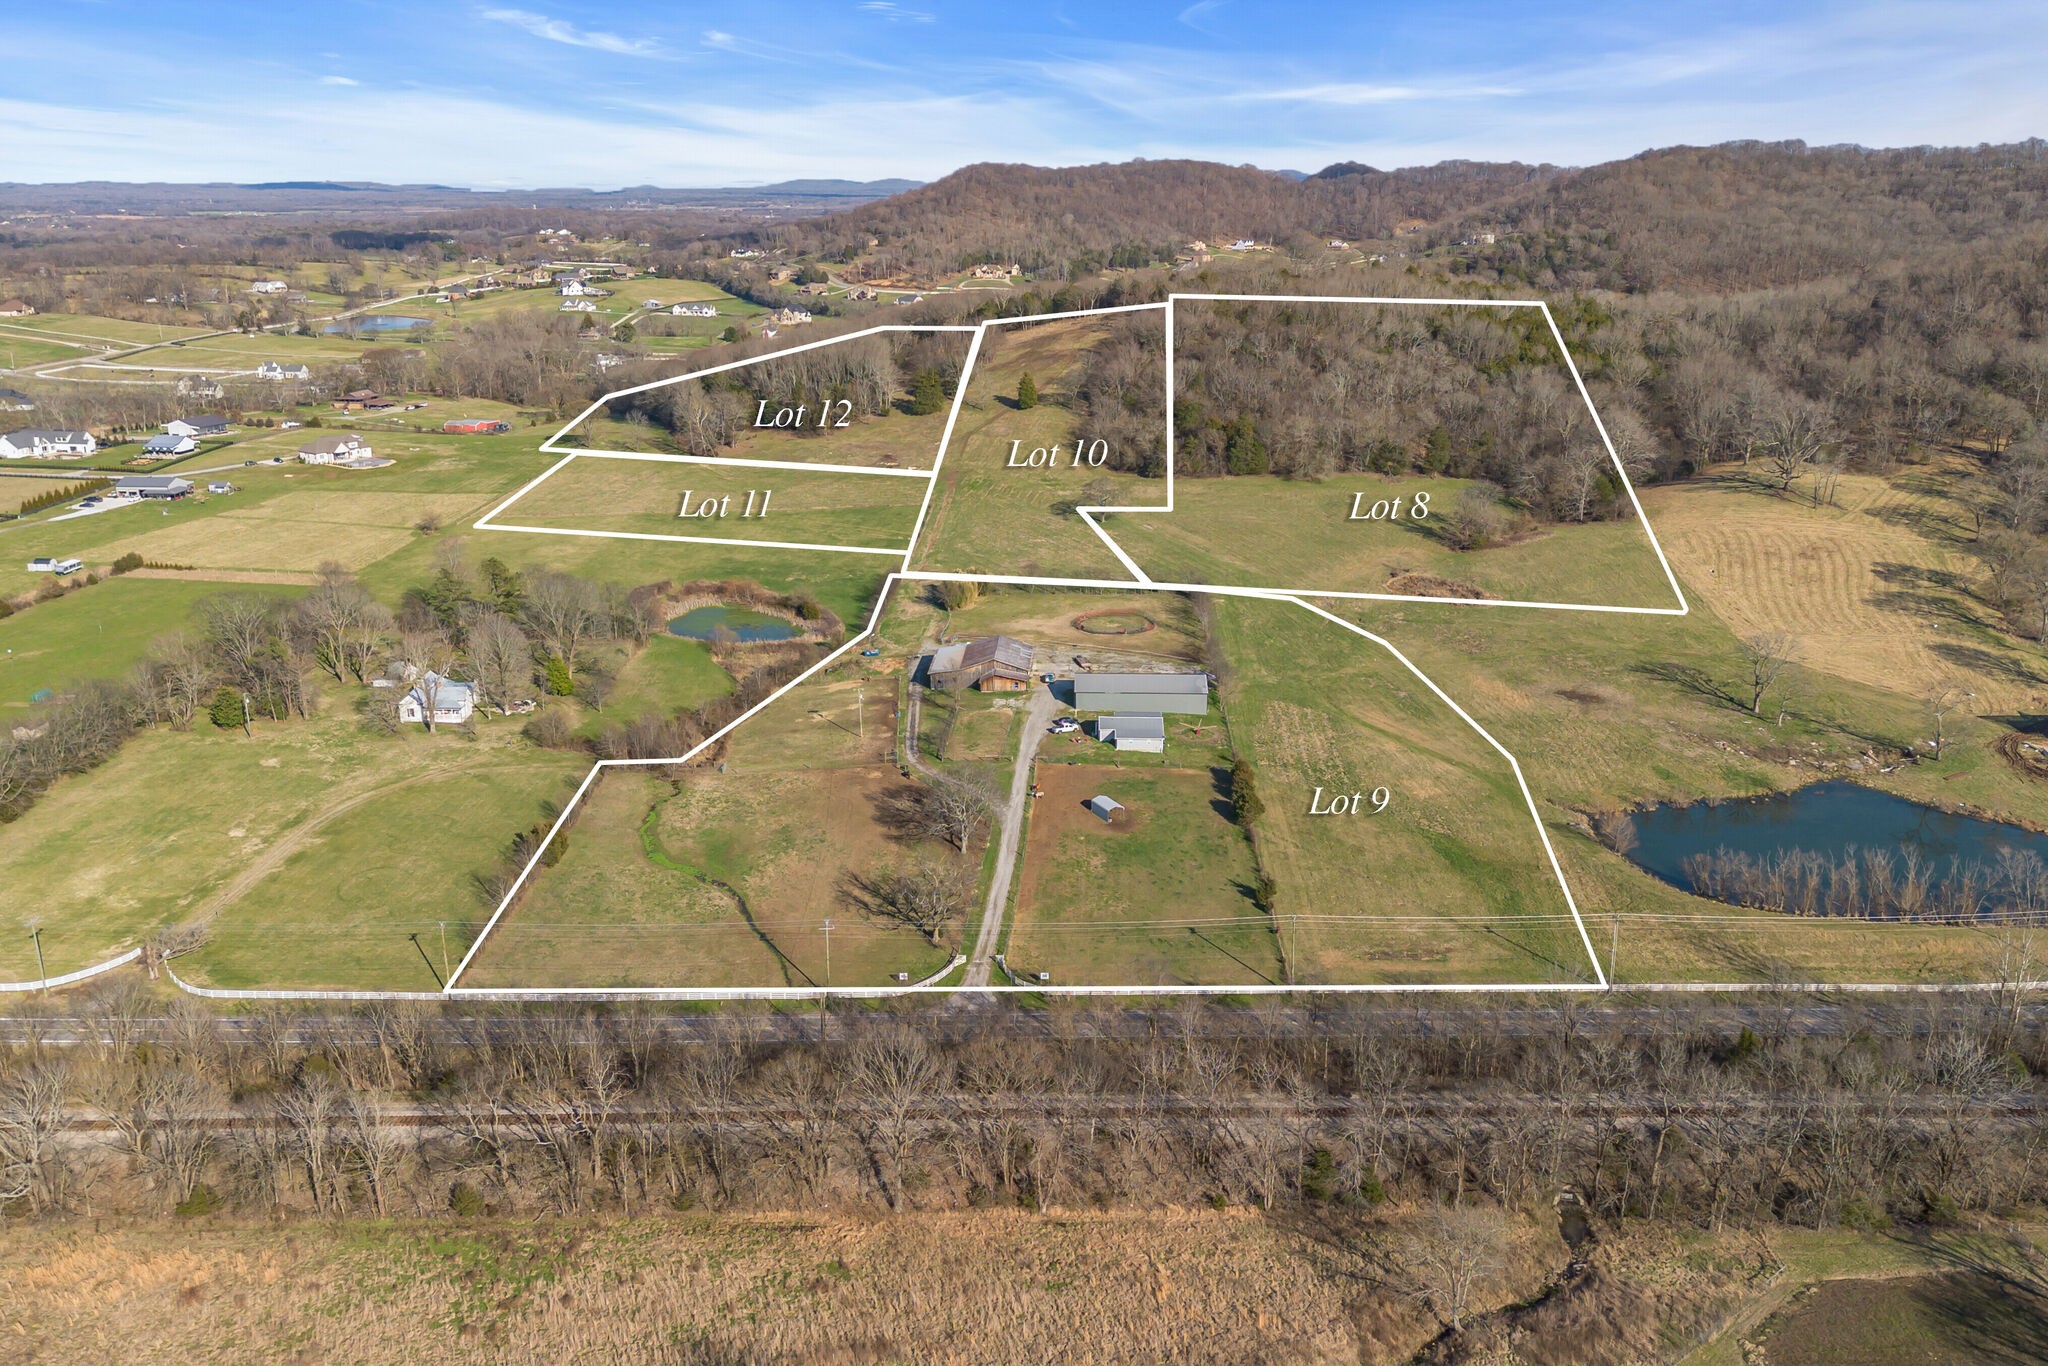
(1831, 819)
(699, 622)
(380, 322)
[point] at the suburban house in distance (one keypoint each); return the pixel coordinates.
(195, 427)
(365, 400)
(200, 386)
(15, 401)
(15, 308)
(335, 450)
(692, 311)
(989, 664)
(45, 444)
(55, 564)
(269, 287)
(168, 444)
(578, 306)
(1187, 694)
(152, 486)
(272, 369)
(452, 703)
(1145, 734)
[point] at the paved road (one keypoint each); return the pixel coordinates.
(1037, 716)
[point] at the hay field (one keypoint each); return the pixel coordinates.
(644, 497)
(989, 519)
(1872, 589)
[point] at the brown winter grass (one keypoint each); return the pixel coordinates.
(948, 1288)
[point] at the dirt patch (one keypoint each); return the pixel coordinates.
(1434, 586)
(2026, 754)
(1113, 621)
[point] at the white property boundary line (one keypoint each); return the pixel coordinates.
(1296, 597)
(882, 599)
(1172, 306)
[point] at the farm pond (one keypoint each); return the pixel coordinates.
(1835, 829)
(699, 623)
(380, 322)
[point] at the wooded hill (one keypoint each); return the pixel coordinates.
(1727, 217)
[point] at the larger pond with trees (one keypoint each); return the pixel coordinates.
(1839, 848)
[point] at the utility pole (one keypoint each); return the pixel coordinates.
(444, 948)
(824, 1000)
(42, 972)
(1613, 944)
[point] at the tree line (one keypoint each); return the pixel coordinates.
(1710, 1119)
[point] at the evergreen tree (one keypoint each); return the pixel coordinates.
(560, 681)
(1243, 451)
(225, 710)
(1027, 391)
(927, 393)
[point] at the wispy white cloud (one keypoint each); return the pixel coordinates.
(562, 31)
(338, 80)
(1357, 93)
(893, 12)
(723, 41)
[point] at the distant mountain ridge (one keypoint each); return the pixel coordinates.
(287, 196)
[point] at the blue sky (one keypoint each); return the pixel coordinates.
(546, 92)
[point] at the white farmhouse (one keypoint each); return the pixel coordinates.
(447, 702)
(269, 287)
(277, 369)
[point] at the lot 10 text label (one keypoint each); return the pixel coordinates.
(1089, 454)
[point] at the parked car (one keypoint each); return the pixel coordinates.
(1065, 725)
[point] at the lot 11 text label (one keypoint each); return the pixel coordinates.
(755, 504)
